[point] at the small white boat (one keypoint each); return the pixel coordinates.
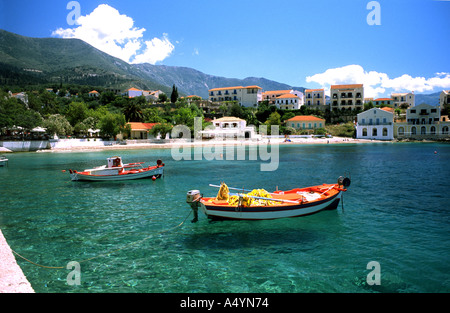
(3, 161)
(115, 170)
(259, 204)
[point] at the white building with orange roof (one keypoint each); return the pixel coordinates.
(248, 96)
(347, 97)
(315, 99)
(94, 93)
(134, 92)
(383, 101)
(289, 101)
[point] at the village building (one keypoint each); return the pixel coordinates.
(444, 99)
(288, 101)
(403, 99)
(347, 97)
(315, 99)
(422, 122)
(134, 92)
(141, 130)
(229, 127)
(383, 102)
(94, 94)
(248, 96)
(305, 122)
(375, 124)
(272, 95)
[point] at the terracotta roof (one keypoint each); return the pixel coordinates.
(383, 99)
(301, 118)
(287, 96)
(226, 88)
(228, 119)
(312, 90)
(277, 92)
(388, 109)
(236, 87)
(347, 86)
(141, 126)
(134, 89)
(94, 91)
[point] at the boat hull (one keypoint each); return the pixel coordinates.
(216, 212)
(156, 172)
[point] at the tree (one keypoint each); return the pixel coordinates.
(57, 124)
(133, 112)
(112, 124)
(161, 129)
(237, 111)
(76, 112)
(174, 95)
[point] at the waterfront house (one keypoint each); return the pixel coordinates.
(377, 124)
(305, 122)
(403, 99)
(422, 122)
(315, 99)
(141, 130)
(229, 127)
(248, 96)
(347, 97)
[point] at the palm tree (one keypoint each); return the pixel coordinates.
(133, 112)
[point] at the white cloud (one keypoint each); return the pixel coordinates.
(114, 33)
(376, 83)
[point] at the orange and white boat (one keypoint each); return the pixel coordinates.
(259, 204)
(116, 170)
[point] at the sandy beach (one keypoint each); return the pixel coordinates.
(181, 143)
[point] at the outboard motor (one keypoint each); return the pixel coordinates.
(193, 199)
(344, 182)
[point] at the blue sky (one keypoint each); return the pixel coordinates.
(309, 43)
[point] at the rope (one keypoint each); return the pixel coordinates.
(111, 252)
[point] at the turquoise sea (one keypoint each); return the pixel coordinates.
(396, 212)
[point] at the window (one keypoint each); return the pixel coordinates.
(401, 131)
(385, 132)
(433, 130)
(423, 130)
(309, 125)
(364, 133)
(445, 130)
(374, 132)
(413, 130)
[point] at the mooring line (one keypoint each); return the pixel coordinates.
(111, 252)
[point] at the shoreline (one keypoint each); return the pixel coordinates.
(12, 278)
(209, 143)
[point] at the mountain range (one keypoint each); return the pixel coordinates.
(25, 61)
(28, 61)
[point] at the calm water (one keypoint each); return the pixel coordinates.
(396, 213)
